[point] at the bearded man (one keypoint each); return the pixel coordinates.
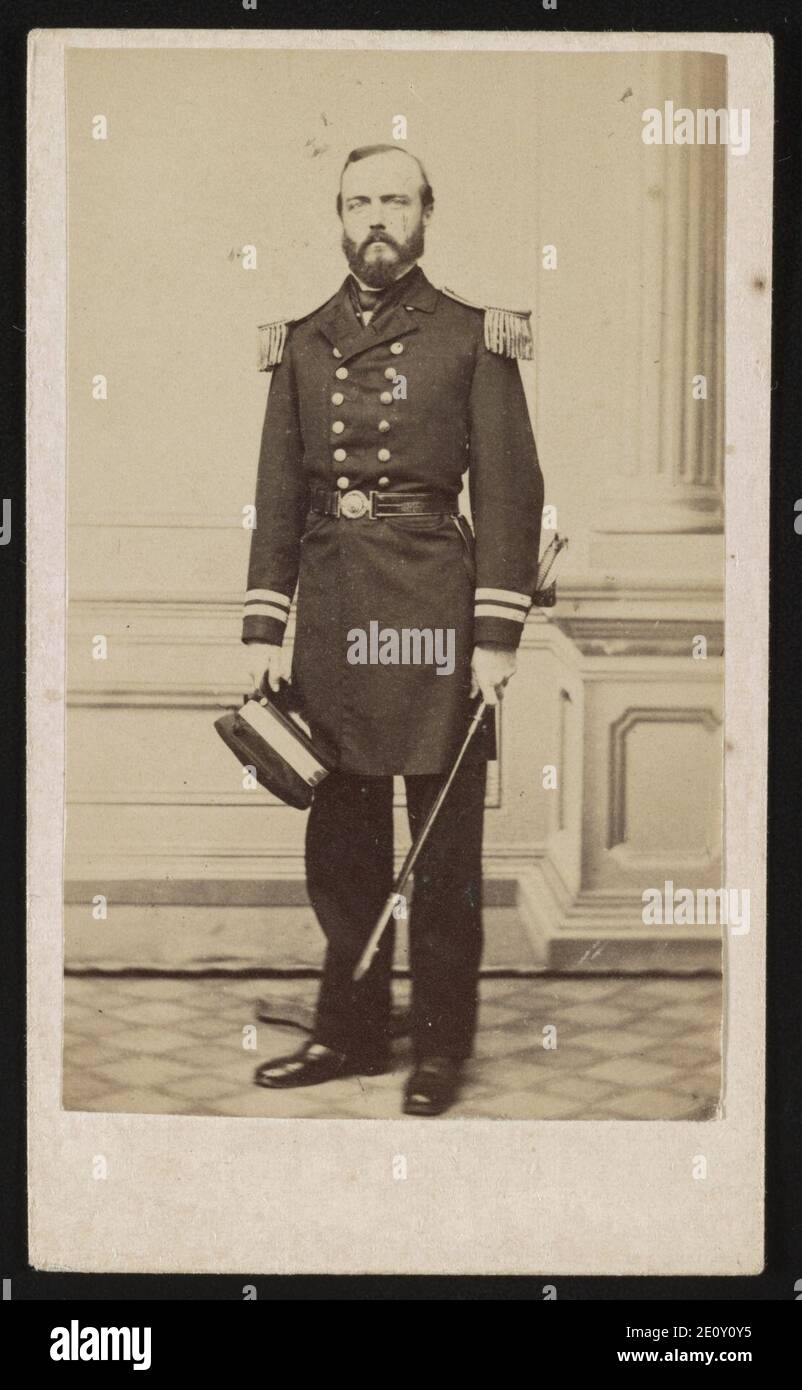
(381, 400)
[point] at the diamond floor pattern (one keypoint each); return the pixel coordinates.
(627, 1048)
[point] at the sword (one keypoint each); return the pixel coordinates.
(415, 848)
(363, 964)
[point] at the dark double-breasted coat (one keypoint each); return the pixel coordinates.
(428, 389)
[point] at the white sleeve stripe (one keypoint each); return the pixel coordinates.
(265, 610)
(502, 603)
(505, 595)
(494, 610)
(268, 596)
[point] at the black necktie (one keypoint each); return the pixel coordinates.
(366, 300)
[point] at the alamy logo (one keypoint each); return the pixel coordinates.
(707, 126)
(76, 1343)
(406, 646)
(682, 907)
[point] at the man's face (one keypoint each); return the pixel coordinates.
(383, 218)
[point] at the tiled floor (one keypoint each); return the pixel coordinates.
(627, 1048)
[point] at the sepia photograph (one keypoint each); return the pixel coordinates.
(398, 466)
(480, 298)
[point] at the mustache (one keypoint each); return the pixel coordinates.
(379, 236)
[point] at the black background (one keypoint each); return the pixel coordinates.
(229, 1340)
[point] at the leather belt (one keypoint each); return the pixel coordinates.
(355, 503)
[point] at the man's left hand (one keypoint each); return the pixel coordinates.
(491, 667)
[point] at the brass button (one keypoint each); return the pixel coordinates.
(386, 397)
(340, 455)
(335, 352)
(383, 455)
(389, 372)
(383, 482)
(337, 398)
(384, 426)
(337, 427)
(342, 482)
(396, 348)
(342, 372)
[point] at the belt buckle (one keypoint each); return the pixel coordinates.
(353, 504)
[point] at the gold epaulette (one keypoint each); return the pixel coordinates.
(507, 331)
(272, 337)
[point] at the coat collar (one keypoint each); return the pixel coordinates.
(339, 325)
(418, 291)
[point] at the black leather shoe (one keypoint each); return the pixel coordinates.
(432, 1086)
(315, 1063)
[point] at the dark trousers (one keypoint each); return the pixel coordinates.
(349, 865)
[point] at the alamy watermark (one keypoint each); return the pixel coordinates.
(706, 126)
(406, 646)
(685, 907)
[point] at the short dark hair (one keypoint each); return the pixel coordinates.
(365, 151)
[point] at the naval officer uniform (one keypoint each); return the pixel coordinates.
(379, 403)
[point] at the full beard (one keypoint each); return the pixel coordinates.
(378, 274)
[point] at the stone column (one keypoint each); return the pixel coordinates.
(670, 476)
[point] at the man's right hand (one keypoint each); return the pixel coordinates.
(265, 659)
